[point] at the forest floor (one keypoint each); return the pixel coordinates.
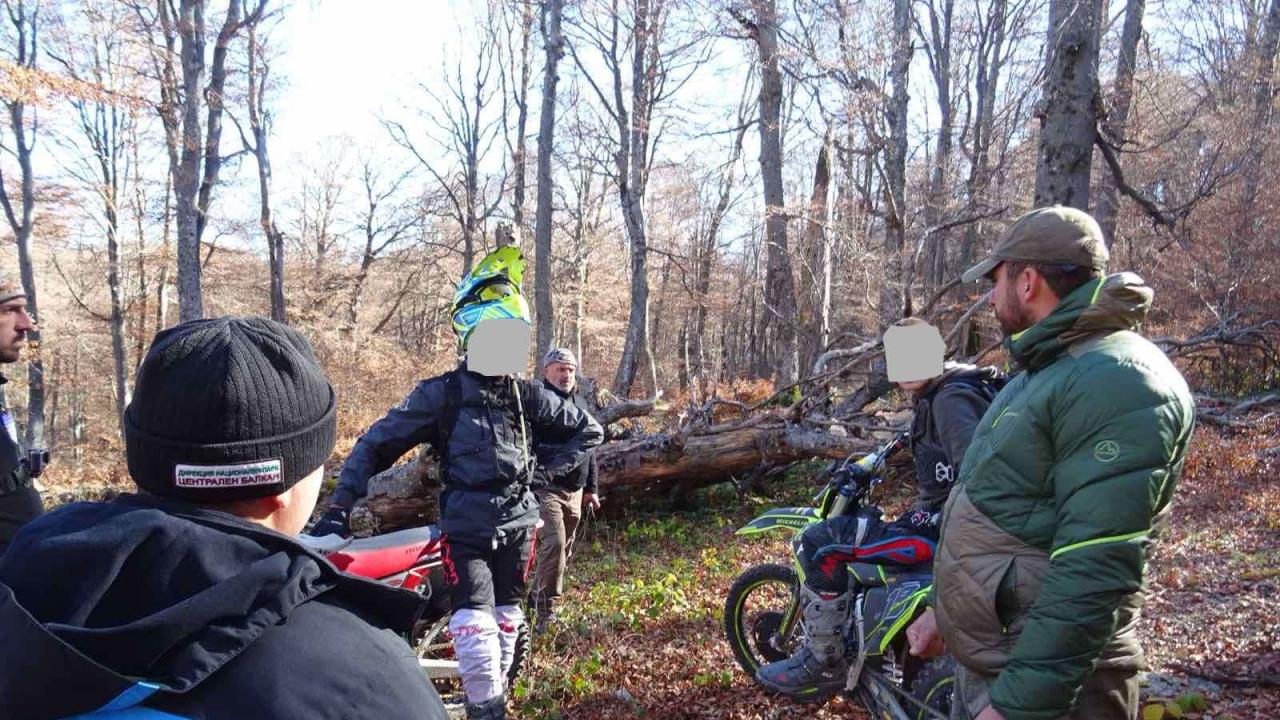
(640, 630)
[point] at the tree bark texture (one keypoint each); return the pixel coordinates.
(1116, 122)
(544, 307)
(186, 181)
(892, 300)
(631, 164)
(989, 56)
(815, 308)
(780, 294)
(1264, 92)
(1068, 110)
(940, 14)
(258, 74)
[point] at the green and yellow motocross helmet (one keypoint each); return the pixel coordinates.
(490, 291)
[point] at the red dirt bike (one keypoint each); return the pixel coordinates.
(413, 560)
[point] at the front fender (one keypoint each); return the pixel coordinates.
(789, 518)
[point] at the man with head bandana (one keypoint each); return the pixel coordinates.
(483, 423)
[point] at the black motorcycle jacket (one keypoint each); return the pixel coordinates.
(484, 430)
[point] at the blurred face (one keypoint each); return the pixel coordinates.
(15, 323)
(562, 375)
(499, 347)
(1008, 299)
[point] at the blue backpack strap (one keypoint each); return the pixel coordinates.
(125, 706)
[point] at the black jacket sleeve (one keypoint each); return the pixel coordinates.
(563, 429)
(956, 412)
(591, 485)
(404, 427)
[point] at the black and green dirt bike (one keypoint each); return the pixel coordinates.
(763, 622)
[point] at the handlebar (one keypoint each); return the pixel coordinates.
(857, 477)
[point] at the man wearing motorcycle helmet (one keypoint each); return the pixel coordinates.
(483, 423)
(950, 398)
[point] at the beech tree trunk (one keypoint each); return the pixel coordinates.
(1068, 115)
(544, 307)
(892, 301)
(186, 181)
(781, 313)
(1115, 124)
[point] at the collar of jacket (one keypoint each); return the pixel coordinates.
(949, 370)
(1105, 305)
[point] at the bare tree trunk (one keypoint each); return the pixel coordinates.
(1068, 113)
(780, 312)
(215, 100)
(1264, 93)
(706, 257)
(893, 301)
(26, 27)
(1115, 124)
(544, 307)
(815, 309)
(166, 259)
(631, 160)
(519, 153)
(259, 72)
(989, 60)
(186, 182)
(939, 44)
(114, 271)
(139, 214)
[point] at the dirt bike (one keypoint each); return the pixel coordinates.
(763, 622)
(413, 560)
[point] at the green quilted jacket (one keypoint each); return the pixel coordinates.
(1039, 574)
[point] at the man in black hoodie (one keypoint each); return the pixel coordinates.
(950, 399)
(192, 599)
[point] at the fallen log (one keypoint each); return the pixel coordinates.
(407, 495)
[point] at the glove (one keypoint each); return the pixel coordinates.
(335, 521)
(853, 480)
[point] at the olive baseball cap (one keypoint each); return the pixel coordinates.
(1055, 235)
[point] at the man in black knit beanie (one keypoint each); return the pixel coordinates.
(192, 598)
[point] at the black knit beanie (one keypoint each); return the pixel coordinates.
(229, 408)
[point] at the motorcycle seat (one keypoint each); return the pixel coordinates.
(868, 574)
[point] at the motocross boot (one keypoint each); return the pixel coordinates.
(818, 669)
(491, 709)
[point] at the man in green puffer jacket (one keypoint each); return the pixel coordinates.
(1039, 574)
